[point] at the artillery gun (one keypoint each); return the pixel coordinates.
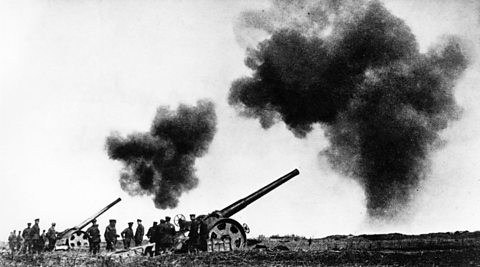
(74, 238)
(223, 230)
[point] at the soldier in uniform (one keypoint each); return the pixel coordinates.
(159, 237)
(139, 232)
(90, 244)
(51, 237)
(94, 238)
(19, 240)
(27, 244)
(169, 233)
(192, 242)
(111, 235)
(203, 236)
(12, 239)
(151, 232)
(35, 236)
(127, 235)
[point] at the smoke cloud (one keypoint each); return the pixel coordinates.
(161, 162)
(355, 69)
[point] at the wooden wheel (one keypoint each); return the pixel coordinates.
(78, 239)
(229, 229)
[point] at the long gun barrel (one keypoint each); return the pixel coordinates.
(244, 202)
(96, 215)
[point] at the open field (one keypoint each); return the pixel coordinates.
(442, 249)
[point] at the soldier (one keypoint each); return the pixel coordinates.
(41, 241)
(94, 238)
(51, 237)
(35, 236)
(27, 244)
(139, 232)
(192, 242)
(12, 239)
(127, 235)
(203, 236)
(19, 240)
(90, 244)
(169, 233)
(151, 233)
(159, 237)
(111, 235)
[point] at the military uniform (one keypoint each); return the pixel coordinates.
(35, 237)
(94, 238)
(19, 240)
(169, 234)
(27, 244)
(127, 235)
(202, 244)
(192, 242)
(12, 239)
(51, 237)
(139, 232)
(111, 236)
(151, 232)
(159, 237)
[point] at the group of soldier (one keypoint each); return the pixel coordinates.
(30, 240)
(162, 234)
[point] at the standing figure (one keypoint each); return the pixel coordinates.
(169, 233)
(203, 236)
(42, 241)
(51, 237)
(111, 235)
(139, 232)
(27, 244)
(90, 244)
(127, 235)
(35, 236)
(159, 237)
(94, 238)
(151, 232)
(12, 240)
(192, 242)
(19, 240)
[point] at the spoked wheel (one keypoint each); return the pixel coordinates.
(229, 229)
(78, 239)
(177, 219)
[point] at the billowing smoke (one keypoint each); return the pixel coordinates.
(355, 69)
(161, 162)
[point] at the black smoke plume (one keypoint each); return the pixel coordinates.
(161, 162)
(356, 70)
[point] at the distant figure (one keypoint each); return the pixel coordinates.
(169, 233)
(90, 244)
(51, 237)
(19, 240)
(159, 237)
(111, 235)
(27, 244)
(127, 235)
(310, 241)
(35, 236)
(42, 241)
(203, 236)
(12, 240)
(94, 238)
(192, 242)
(151, 233)
(139, 232)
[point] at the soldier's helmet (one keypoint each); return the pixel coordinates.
(167, 218)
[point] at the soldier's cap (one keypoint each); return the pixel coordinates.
(167, 218)
(130, 223)
(139, 220)
(29, 224)
(37, 220)
(192, 215)
(155, 223)
(113, 220)
(53, 224)
(94, 220)
(162, 220)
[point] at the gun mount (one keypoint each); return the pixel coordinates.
(221, 228)
(74, 237)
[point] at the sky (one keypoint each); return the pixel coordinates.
(73, 72)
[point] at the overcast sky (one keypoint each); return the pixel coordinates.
(71, 72)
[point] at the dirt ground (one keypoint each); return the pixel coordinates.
(452, 257)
